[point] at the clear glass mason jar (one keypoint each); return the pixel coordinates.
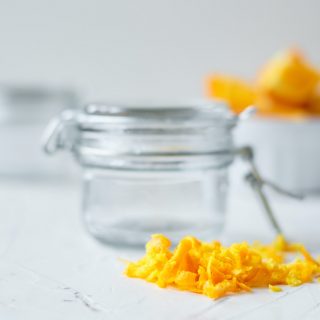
(24, 113)
(150, 170)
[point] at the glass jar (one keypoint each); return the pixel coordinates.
(150, 170)
(24, 113)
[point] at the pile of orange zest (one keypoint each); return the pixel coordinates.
(274, 288)
(288, 86)
(215, 270)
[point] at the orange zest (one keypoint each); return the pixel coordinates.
(215, 270)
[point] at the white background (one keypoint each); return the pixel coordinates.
(123, 50)
(145, 49)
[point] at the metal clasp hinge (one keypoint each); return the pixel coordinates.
(257, 183)
(53, 138)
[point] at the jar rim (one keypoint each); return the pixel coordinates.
(200, 112)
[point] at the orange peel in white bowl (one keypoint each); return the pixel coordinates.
(286, 87)
(238, 93)
(215, 270)
(289, 77)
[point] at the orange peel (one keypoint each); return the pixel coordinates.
(289, 77)
(288, 86)
(238, 93)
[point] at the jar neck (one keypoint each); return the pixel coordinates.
(153, 161)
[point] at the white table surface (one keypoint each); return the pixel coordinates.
(50, 268)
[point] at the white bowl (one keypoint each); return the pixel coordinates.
(287, 152)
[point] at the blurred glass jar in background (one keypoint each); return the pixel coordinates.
(24, 112)
(150, 170)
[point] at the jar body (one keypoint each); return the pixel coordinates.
(126, 207)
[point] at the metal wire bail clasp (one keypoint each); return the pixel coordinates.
(257, 183)
(57, 134)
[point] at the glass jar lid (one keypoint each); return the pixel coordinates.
(166, 137)
(189, 115)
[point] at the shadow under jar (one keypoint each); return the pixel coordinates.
(149, 169)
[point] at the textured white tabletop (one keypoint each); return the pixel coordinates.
(51, 269)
